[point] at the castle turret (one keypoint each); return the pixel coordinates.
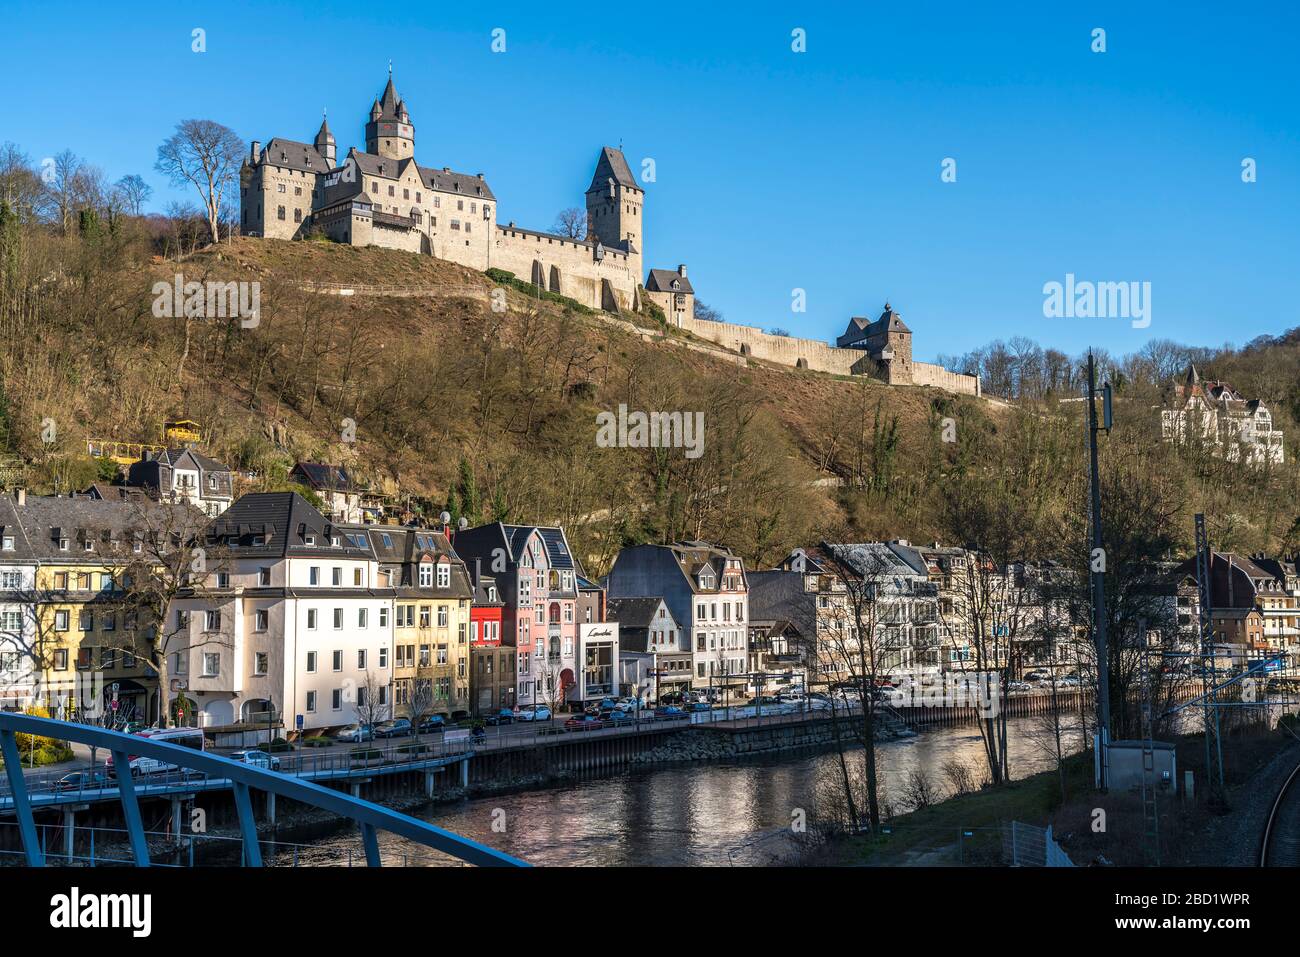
(390, 132)
(615, 204)
(325, 142)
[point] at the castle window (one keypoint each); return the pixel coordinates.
(473, 207)
(437, 202)
(460, 204)
(455, 224)
(467, 225)
(374, 187)
(487, 211)
(418, 198)
(279, 212)
(279, 187)
(297, 215)
(406, 194)
(392, 191)
(297, 191)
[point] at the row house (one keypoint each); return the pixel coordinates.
(1254, 604)
(706, 589)
(287, 621)
(654, 652)
(538, 578)
(432, 598)
(341, 495)
(72, 639)
(790, 610)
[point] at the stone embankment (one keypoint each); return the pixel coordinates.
(720, 744)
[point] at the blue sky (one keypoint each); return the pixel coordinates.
(775, 170)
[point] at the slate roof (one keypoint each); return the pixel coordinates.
(449, 181)
(291, 154)
(38, 525)
(611, 165)
(860, 328)
(661, 280)
(325, 477)
(479, 542)
(777, 596)
(286, 520)
(632, 613)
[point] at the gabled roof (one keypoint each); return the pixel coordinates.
(471, 185)
(633, 613)
(611, 165)
(661, 280)
(323, 477)
(285, 520)
(176, 459)
(860, 328)
(294, 155)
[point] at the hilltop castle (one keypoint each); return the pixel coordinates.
(383, 197)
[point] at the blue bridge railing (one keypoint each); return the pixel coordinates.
(370, 818)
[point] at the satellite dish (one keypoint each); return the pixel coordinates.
(463, 523)
(445, 517)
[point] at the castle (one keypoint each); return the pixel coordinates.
(383, 197)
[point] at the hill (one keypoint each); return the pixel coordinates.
(439, 399)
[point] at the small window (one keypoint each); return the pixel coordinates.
(261, 619)
(311, 701)
(338, 661)
(311, 662)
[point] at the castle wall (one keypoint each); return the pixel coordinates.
(270, 189)
(568, 264)
(819, 356)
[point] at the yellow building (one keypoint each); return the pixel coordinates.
(431, 619)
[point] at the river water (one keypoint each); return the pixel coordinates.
(688, 815)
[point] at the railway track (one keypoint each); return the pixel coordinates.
(1281, 844)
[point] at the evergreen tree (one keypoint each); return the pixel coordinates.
(468, 493)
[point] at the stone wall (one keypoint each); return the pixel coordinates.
(567, 266)
(819, 356)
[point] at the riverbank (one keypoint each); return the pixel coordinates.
(1211, 828)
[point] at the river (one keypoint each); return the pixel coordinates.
(686, 815)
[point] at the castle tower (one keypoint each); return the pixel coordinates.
(615, 204)
(389, 132)
(325, 142)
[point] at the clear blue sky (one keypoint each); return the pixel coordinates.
(775, 170)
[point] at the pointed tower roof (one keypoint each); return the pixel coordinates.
(375, 111)
(1193, 377)
(611, 165)
(323, 135)
(390, 102)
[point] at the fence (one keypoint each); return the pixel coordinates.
(1026, 845)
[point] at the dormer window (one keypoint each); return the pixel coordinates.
(426, 574)
(444, 575)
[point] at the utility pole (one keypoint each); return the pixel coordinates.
(1097, 568)
(1209, 672)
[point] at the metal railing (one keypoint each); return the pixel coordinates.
(369, 817)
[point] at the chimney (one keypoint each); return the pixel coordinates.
(20, 496)
(681, 270)
(1231, 604)
(478, 571)
(256, 152)
(480, 175)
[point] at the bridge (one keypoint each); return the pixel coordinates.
(216, 772)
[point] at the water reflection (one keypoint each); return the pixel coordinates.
(715, 814)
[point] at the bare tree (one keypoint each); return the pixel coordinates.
(134, 192)
(571, 222)
(370, 707)
(208, 156)
(420, 703)
(706, 312)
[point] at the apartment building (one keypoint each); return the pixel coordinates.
(289, 621)
(706, 589)
(432, 597)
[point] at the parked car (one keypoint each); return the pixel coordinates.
(1016, 687)
(672, 697)
(356, 733)
(583, 722)
(699, 706)
(504, 716)
(1067, 682)
(669, 711)
(257, 759)
(616, 715)
(1033, 676)
(81, 781)
(434, 722)
(395, 728)
(537, 712)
